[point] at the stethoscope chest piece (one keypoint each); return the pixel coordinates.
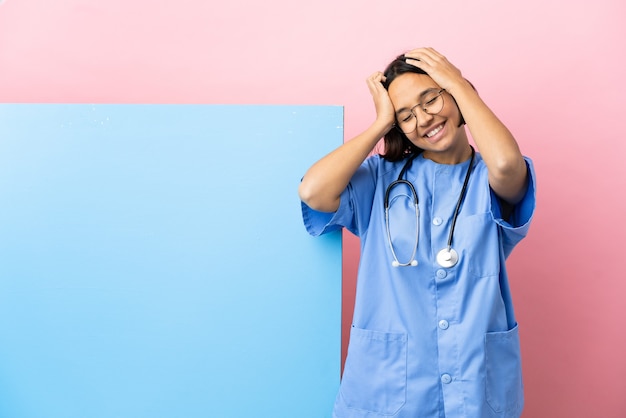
(447, 257)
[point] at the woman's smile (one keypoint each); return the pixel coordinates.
(435, 134)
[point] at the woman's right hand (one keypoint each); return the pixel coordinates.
(323, 183)
(385, 112)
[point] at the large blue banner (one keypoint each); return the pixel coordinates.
(153, 262)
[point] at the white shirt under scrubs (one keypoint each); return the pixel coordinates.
(429, 341)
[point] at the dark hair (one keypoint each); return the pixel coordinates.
(397, 145)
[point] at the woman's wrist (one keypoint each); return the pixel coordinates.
(462, 87)
(383, 126)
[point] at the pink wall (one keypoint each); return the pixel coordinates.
(553, 71)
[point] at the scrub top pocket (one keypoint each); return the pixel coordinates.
(478, 238)
(374, 377)
(503, 379)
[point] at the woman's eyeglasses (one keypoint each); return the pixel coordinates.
(432, 105)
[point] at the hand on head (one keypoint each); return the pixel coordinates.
(437, 66)
(385, 112)
(428, 61)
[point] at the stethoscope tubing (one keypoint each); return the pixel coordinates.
(448, 255)
(412, 261)
(461, 198)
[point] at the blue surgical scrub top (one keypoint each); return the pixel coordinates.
(428, 341)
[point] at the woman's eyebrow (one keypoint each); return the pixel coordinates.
(427, 91)
(420, 97)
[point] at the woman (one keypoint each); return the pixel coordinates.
(434, 333)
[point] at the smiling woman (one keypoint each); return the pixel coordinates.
(434, 124)
(440, 323)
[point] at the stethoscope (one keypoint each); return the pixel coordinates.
(447, 257)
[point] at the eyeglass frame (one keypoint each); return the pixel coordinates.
(421, 105)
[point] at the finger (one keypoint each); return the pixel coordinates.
(421, 54)
(377, 79)
(421, 63)
(433, 53)
(374, 78)
(419, 58)
(374, 83)
(430, 55)
(371, 79)
(438, 58)
(411, 59)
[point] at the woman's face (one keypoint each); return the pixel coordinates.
(439, 135)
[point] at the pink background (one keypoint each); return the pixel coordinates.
(553, 72)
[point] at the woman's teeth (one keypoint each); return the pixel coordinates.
(434, 131)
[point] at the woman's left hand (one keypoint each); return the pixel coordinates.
(437, 66)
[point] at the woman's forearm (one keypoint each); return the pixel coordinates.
(324, 182)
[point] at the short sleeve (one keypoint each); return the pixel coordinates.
(355, 204)
(318, 223)
(516, 227)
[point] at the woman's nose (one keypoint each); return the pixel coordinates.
(423, 118)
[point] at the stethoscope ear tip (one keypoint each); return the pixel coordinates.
(414, 263)
(395, 263)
